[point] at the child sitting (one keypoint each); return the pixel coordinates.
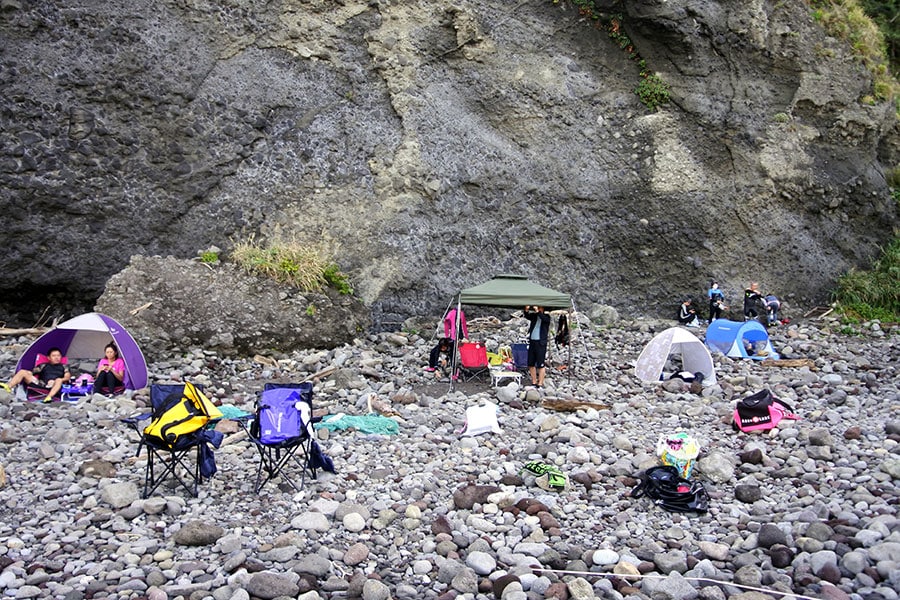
(444, 346)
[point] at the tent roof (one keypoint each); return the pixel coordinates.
(514, 291)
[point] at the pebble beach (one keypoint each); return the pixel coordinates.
(809, 509)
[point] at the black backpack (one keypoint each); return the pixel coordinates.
(668, 489)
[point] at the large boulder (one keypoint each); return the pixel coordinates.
(165, 302)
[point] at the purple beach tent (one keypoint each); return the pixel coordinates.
(85, 337)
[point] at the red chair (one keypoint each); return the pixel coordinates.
(473, 360)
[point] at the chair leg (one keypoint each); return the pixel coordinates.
(169, 469)
(274, 461)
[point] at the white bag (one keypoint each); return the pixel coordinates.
(481, 419)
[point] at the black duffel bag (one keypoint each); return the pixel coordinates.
(668, 489)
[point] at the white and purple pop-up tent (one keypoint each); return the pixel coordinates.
(85, 337)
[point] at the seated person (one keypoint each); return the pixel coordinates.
(50, 375)
(687, 315)
(445, 347)
(110, 371)
(773, 305)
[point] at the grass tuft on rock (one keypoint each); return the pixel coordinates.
(290, 262)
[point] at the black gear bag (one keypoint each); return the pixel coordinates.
(668, 489)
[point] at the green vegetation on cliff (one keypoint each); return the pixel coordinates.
(873, 294)
(858, 23)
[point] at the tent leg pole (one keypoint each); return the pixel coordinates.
(584, 347)
(457, 328)
(437, 330)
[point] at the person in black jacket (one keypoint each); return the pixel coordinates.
(538, 332)
(754, 303)
(51, 375)
(445, 347)
(687, 315)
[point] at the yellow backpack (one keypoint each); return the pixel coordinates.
(179, 415)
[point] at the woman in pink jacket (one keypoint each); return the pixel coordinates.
(110, 372)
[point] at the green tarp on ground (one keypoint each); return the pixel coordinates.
(514, 291)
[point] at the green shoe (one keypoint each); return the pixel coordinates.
(556, 480)
(538, 468)
(5, 388)
(47, 400)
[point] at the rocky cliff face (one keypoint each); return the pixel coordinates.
(434, 144)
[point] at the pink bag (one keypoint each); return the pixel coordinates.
(761, 411)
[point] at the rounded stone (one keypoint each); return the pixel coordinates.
(354, 522)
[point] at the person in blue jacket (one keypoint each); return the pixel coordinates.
(716, 301)
(538, 332)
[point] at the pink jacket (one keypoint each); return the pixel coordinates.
(118, 365)
(450, 324)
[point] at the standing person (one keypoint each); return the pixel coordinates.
(538, 332)
(716, 301)
(752, 300)
(51, 375)
(110, 371)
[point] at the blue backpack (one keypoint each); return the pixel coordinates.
(279, 415)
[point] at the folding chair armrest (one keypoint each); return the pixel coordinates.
(245, 421)
(134, 420)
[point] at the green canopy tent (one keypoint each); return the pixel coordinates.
(511, 291)
(514, 291)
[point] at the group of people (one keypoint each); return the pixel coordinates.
(756, 304)
(51, 375)
(455, 327)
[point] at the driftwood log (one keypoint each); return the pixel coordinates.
(563, 405)
(24, 331)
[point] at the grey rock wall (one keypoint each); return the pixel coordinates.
(434, 144)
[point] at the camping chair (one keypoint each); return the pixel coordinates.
(520, 356)
(282, 433)
(473, 360)
(177, 430)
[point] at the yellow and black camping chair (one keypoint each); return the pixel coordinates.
(178, 429)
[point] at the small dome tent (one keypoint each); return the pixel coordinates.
(85, 337)
(748, 339)
(695, 358)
